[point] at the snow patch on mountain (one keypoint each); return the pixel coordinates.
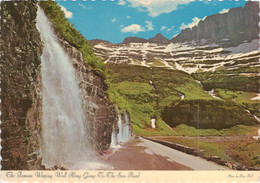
(184, 57)
(245, 47)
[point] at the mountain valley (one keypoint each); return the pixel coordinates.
(199, 87)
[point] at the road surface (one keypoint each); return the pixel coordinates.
(142, 154)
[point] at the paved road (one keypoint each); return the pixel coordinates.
(142, 154)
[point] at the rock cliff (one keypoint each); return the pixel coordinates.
(21, 50)
(100, 112)
(229, 29)
(206, 114)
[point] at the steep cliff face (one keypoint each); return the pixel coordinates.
(99, 111)
(232, 28)
(21, 50)
(207, 114)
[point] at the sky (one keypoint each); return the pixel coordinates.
(114, 20)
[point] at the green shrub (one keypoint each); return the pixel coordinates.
(70, 34)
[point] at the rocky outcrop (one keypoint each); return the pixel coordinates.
(99, 111)
(159, 39)
(98, 41)
(205, 114)
(134, 40)
(229, 29)
(21, 50)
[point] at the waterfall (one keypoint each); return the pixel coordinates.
(211, 93)
(64, 125)
(123, 133)
(124, 130)
(114, 142)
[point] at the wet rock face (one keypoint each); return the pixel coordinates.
(229, 29)
(205, 114)
(21, 107)
(21, 49)
(99, 111)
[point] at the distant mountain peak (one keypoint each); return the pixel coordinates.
(134, 40)
(159, 35)
(159, 39)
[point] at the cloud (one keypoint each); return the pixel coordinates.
(82, 6)
(85, 7)
(149, 25)
(163, 27)
(128, 17)
(121, 2)
(122, 25)
(113, 20)
(194, 22)
(68, 14)
(166, 28)
(155, 8)
(135, 28)
(170, 29)
(223, 11)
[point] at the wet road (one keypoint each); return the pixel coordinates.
(142, 154)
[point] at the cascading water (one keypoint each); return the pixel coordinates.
(64, 129)
(124, 133)
(114, 142)
(124, 129)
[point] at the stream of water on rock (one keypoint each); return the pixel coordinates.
(64, 128)
(124, 133)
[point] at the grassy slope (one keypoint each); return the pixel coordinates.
(235, 130)
(236, 96)
(245, 151)
(131, 89)
(144, 92)
(234, 88)
(209, 148)
(230, 79)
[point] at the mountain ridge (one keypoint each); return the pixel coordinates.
(134, 40)
(158, 38)
(229, 29)
(237, 26)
